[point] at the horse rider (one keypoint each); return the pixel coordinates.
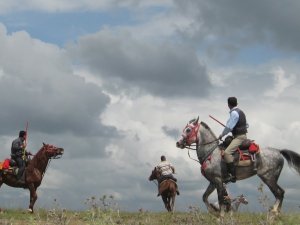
(166, 170)
(18, 154)
(237, 125)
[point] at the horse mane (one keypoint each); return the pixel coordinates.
(38, 158)
(208, 128)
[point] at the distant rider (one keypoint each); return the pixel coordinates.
(166, 170)
(237, 125)
(18, 153)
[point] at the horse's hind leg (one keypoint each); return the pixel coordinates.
(172, 202)
(278, 192)
(165, 200)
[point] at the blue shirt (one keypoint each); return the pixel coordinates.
(231, 122)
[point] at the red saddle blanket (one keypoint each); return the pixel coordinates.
(5, 164)
(247, 149)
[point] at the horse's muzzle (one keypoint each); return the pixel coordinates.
(61, 151)
(180, 144)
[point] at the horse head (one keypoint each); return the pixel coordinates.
(52, 152)
(189, 134)
(154, 174)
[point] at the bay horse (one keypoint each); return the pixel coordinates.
(167, 189)
(34, 171)
(268, 166)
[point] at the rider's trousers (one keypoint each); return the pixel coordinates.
(235, 143)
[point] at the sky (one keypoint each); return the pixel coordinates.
(115, 82)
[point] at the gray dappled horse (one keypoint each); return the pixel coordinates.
(269, 163)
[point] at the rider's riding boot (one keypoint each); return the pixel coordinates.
(21, 176)
(231, 172)
(178, 193)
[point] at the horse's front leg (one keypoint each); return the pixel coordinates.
(211, 187)
(221, 193)
(33, 196)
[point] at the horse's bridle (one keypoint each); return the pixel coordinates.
(52, 150)
(194, 134)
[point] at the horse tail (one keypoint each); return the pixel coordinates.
(292, 158)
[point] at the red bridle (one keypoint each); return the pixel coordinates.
(190, 133)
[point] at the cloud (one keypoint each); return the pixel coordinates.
(282, 82)
(38, 85)
(174, 133)
(223, 28)
(42, 88)
(124, 63)
(75, 5)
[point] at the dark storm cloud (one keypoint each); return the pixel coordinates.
(238, 23)
(160, 68)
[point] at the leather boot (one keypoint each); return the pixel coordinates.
(21, 176)
(231, 170)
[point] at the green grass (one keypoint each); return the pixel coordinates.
(65, 217)
(105, 211)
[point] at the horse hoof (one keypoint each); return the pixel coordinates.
(30, 210)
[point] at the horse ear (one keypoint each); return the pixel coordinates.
(44, 144)
(196, 121)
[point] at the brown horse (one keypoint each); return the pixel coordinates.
(34, 172)
(167, 189)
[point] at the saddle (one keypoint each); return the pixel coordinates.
(246, 152)
(163, 178)
(9, 166)
(163, 184)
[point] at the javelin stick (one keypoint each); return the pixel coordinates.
(217, 120)
(26, 129)
(25, 142)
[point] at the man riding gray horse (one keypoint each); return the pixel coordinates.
(268, 167)
(237, 125)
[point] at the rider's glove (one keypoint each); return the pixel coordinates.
(28, 153)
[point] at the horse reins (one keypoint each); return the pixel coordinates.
(195, 132)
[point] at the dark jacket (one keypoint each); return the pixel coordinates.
(241, 125)
(17, 147)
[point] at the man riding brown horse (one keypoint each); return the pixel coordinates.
(166, 170)
(19, 154)
(34, 172)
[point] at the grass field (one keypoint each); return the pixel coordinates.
(60, 217)
(105, 211)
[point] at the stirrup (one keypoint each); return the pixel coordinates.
(230, 178)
